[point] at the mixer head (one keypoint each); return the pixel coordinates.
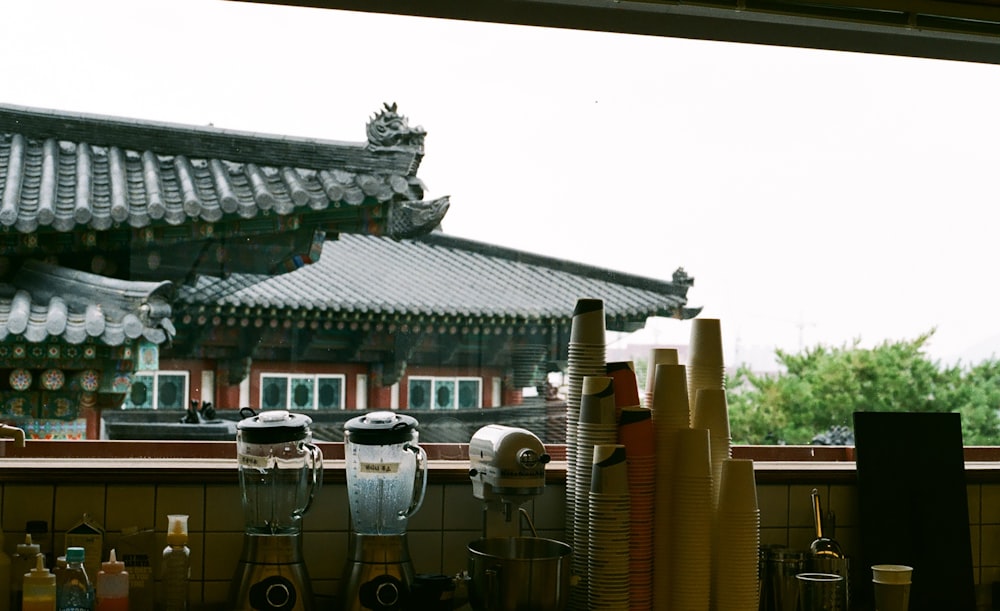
(507, 464)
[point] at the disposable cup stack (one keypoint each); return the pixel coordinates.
(706, 366)
(711, 412)
(626, 385)
(657, 356)
(610, 528)
(692, 520)
(596, 427)
(586, 357)
(736, 547)
(635, 432)
(670, 414)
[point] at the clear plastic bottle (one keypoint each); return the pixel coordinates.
(22, 563)
(39, 588)
(112, 585)
(176, 565)
(73, 591)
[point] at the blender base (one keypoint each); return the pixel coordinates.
(379, 573)
(271, 575)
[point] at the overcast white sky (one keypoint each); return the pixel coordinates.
(814, 196)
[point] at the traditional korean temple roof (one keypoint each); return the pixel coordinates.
(431, 301)
(74, 183)
(47, 302)
(438, 277)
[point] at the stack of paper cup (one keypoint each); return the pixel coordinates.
(635, 432)
(657, 356)
(706, 366)
(608, 552)
(586, 357)
(736, 544)
(626, 385)
(691, 531)
(711, 412)
(670, 413)
(597, 426)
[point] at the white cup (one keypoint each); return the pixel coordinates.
(892, 586)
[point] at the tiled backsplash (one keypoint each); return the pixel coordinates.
(438, 534)
(216, 524)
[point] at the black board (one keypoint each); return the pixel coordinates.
(914, 508)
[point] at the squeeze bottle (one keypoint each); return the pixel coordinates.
(39, 588)
(112, 585)
(21, 564)
(176, 565)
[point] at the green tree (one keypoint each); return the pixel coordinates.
(823, 386)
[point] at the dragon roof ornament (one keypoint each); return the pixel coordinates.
(389, 129)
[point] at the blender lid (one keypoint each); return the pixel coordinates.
(273, 426)
(380, 428)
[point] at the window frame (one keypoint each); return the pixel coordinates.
(289, 380)
(435, 380)
(156, 374)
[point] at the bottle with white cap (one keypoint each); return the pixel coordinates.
(112, 585)
(22, 562)
(39, 593)
(176, 565)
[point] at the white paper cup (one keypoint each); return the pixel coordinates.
(892, 573)
(659, 356)
(610, 470)
(892, 586)
(670, 397)
(597, 400)
(588, 325)
(692, 457)
(892, 596)
(706, 343)
(738, 488)
(711, 411)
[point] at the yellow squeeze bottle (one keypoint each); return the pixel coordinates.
(39, 588)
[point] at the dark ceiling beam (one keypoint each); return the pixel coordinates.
(787, 24)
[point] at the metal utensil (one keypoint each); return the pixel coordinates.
(822, 546)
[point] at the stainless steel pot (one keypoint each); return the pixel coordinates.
(519, 574)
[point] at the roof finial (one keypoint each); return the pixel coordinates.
(388, 128)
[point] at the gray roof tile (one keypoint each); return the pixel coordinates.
(440, 275)
(46, 301)
(62, 172)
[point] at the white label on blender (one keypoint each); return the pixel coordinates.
(254, 462)
(380, 467)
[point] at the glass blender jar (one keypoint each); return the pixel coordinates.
(280, 473)
(386, 481)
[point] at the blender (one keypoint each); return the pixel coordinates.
(386, 480)
(280, 473)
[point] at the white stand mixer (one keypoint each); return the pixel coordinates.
(506, 570)
(507, 468)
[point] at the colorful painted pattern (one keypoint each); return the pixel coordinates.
(20, 379)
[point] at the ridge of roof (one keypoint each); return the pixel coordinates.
(679, 286)
(167, 138)
(62, 172)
